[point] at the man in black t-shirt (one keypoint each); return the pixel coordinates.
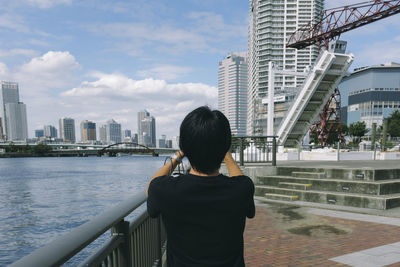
(204, 212)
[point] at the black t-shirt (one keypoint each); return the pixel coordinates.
(204, 217)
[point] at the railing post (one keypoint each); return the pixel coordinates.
(122, 229)
(241, 151)
(273, 151)
(159, 248)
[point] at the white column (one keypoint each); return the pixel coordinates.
(271, 89)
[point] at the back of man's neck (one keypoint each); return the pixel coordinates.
(194, 172)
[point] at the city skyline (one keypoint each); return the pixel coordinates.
(112, 64)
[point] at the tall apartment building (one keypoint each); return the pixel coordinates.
(232, 91)
(12, 113)
(50, 131)
(67, 129)
(146, 129)
(103, 133)
(271, 24)
(88, 131)
(113, 132)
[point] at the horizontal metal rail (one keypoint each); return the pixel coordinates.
(254, 149)
(65, 247)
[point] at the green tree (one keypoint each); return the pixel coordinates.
(41, 149)
(357, 130)
(394, 124)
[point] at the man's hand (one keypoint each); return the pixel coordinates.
(231, 165)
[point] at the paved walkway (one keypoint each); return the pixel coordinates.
(282, 235)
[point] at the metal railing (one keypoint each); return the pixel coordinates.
(254, 149)
(138, 243)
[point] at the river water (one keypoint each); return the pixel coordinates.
(42, 198)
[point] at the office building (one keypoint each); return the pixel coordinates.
(17, 125)
(127, 133)
(175, 142)
(103, 134)
(113, 132)
(134, 138)
(162, 141)
(12, 112)
(232, 91)
(50, 131)
(146, 129)
(370, 94)
(67, 129)
(271, 24)
(1, 130)
(39, 133)
(88, 131)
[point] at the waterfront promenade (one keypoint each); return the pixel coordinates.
(312, 234)
(286, 235)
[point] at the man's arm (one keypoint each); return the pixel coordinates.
(233, 168)
(164, 170)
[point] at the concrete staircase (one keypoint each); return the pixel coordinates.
(364, 188)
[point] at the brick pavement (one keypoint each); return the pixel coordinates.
(283, 235)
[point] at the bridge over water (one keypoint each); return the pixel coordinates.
(84, 150)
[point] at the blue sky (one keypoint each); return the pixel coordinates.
(103, 59)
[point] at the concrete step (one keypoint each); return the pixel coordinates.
(337, 185)
(336, 198)
(280, 197)
(295, 186)
(318, 175)
(347, 173)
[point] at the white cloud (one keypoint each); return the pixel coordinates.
(18, 51)
(140, 34)
(3, 71)
(120, 97)
(52, 70)
(203, 32)
(13, 22)
(165, 72)
(45, 83)
(47, 3)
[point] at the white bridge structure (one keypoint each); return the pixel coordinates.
(318, 86)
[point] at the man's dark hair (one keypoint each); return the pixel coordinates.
(205, 137)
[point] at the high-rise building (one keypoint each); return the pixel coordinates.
(271, 24)
(39, 133)
(146, 129)
(50, 131)
(1, 129)
(141, 115)
(17, 125)
(113, 132)
(103, 133)
(232, 91)
(88, 131)
(12, 112)
(162, 141)
(127, 133)
(67, 129)
(134, 138)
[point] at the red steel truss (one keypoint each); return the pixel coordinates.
(330, 122)
(338, 20)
